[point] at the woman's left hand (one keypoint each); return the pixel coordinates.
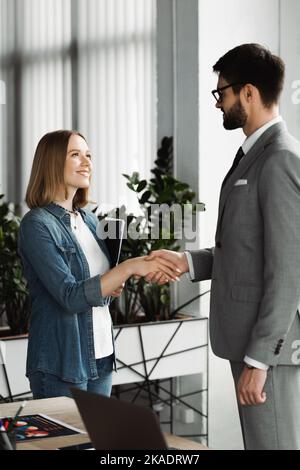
(118, 292)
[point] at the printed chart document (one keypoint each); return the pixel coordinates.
(38, 426)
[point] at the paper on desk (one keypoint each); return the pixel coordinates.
(38, 426)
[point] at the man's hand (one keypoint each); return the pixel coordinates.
(250, 387)
(178, 259)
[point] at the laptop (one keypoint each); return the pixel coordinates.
(113, 424)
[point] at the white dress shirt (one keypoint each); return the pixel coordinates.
(253, 138)
(247, 145)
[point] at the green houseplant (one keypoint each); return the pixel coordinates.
(142, 301)
(14, 299)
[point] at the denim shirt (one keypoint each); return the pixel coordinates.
(62, 294)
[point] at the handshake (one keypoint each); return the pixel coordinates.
(160, 267)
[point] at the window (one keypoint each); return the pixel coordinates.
(89, 65)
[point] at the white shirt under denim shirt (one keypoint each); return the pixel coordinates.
(247, 145)
(98, 264)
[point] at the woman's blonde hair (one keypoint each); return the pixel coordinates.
(47, 173)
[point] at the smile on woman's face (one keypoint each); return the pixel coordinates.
(78, 165)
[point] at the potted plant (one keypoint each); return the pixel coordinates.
(142, 301)
(14, 300)
(146, 347)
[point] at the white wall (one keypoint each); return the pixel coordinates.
(290, 52)
(222, 26)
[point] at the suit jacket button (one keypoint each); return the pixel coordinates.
(281, 341)
(218, 244)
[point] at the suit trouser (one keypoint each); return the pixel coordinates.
(274, 425)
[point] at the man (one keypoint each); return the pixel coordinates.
(255, 264)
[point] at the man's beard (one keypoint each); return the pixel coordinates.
(235, 117)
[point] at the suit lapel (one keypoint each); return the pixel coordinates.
(254, 153)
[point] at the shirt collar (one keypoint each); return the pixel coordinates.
(60, 212)
(253, 138)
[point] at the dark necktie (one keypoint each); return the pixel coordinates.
(236, 161)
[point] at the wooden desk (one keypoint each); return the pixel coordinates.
(65, 409)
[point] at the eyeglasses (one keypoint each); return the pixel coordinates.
(218, 92)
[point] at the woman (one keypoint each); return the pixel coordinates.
(68, 273)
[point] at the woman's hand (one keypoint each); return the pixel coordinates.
(118, 291)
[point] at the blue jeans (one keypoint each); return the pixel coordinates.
(45, 385)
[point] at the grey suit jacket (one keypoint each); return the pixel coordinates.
(255, 264)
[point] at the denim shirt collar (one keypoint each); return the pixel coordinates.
(60, 212)
(64, 216)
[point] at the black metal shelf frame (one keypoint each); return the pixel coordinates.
(153, 387)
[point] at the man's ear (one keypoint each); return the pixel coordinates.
(248, 92)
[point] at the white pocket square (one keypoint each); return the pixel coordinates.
(240, 182)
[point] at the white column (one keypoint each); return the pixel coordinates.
(165, 70)
(186, 119)
(177, 86)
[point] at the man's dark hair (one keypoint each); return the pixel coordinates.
(253, 63)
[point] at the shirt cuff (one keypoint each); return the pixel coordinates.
(191, 273)
(256, 364)
(93, 293)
